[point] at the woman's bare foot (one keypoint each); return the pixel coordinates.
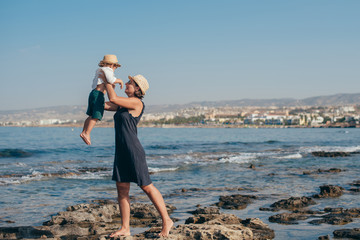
(121, 232)
(166, 227)
(85, 138)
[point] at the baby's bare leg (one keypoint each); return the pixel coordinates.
(88, 126)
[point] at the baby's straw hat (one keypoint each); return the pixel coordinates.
(112, 59)
(141, 82)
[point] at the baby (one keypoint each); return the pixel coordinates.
(96, 100)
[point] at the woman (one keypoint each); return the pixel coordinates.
(130, 163)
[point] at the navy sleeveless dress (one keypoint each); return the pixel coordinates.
(130, 162)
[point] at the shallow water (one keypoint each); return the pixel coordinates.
(44, 170)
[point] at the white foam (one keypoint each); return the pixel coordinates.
(89, 175)
(242, 158)
(291, 156)
(155, 170)
(330, 149)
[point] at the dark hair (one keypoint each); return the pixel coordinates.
(138, 93)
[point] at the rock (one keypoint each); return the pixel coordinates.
(288, 218)
(206, 210)
(356, 183)
(354, 189)
(330, 154)
(252, 166)
(347, 233)
(93, 169)
(338, 216)
(203, 232)
(236, 201)
(260, 230)
(331, 170)
(293, 203)
(87, 221)
(209, 223)
(23, 232)
(327, 237)
(329, 191)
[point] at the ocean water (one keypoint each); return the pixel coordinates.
(44, 170)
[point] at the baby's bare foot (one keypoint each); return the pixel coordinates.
(85, 138)
(166, 227)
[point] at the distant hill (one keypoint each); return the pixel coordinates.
(77, 112)
(331, 100)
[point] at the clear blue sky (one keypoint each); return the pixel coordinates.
(188, 50)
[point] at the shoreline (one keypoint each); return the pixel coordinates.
(110, 125)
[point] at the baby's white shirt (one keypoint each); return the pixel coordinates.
(109, 74)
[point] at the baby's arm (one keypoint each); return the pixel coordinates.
(120, 82)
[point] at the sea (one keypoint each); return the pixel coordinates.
(44, 170)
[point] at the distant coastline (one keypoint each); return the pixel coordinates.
(110, 125)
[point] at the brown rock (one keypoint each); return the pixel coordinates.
(329, 191)
(236, 201)
(330, 154)
(347, 233)
(293, 203)
(288, 218)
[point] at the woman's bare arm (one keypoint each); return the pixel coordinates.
(109, 106)
(129, 103)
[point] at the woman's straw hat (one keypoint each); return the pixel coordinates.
(141, 82)
(112, 59)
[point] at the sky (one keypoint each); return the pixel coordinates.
(188, 50)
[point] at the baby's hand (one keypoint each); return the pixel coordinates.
(121, 83)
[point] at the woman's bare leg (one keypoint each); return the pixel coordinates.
(124, 204)
(158, 201)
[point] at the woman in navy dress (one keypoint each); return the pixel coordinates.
(130, 162)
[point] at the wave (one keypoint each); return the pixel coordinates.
(81, 173)
(15, 153)
(243, 158)
(348, 149)
(206, 144)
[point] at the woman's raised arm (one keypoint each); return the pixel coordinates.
(129, 103)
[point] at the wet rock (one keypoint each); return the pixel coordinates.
(92, 170)
(338, 216)
(347, 233)
(288, 218)
(356, 183)
(331, 170)
(330, 154)
(206, 210)
(236, 201)
(327, 237)
(293, 203)
(23, 232)
(329, 191)
(260, 230)
(354, 189)
(252, 166)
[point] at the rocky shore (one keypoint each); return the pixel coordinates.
(98, 219)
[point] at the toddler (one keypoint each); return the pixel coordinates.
(96, 100)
